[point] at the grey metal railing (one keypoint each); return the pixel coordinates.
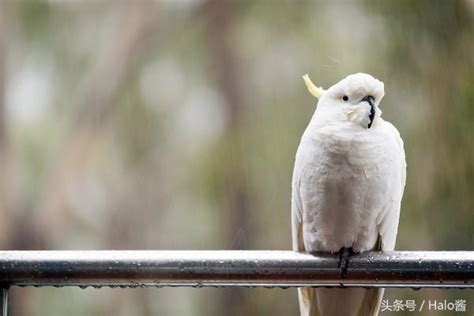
(415, 269)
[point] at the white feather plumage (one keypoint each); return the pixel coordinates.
(347, 187)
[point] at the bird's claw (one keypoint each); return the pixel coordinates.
(343, 260)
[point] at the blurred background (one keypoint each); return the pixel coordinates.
(174, 125)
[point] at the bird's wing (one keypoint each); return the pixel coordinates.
(306, 296)
(389, 225)
(297, 219)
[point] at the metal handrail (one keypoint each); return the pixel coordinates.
(415, 269)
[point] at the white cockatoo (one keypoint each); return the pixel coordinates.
(347, 187)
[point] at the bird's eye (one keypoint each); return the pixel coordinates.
(345, 98)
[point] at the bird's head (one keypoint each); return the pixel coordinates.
(354, 99)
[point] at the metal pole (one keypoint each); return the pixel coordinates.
(4, 302)
(417, 269)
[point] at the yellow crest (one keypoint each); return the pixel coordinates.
(317, 92)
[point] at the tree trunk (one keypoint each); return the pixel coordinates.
(220, 18)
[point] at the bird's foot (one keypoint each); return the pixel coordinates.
(343, 260)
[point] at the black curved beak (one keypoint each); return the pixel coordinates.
(370, 99)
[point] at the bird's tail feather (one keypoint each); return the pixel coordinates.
(307, 300)
(341, 301)
(372, 301)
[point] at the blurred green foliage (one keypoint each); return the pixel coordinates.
(174, 125)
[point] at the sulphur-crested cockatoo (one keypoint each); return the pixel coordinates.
(347, 187)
